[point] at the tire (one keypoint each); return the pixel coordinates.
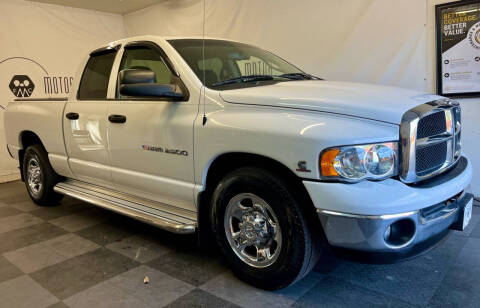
(39, 176)
(291, 256)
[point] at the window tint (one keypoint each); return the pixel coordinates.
(219, 60)
(94, 83)
(147, 58)
(212, 68)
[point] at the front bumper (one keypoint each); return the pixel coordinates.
(418, 222)
(371, 233)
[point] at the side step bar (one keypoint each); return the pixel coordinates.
(161, 215)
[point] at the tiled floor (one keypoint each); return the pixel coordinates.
(76, 255)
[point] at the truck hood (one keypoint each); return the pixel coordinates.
(381, 103)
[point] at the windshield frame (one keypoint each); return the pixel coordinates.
(245, 84)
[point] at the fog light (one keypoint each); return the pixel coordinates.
(387, 232)
(400, 233)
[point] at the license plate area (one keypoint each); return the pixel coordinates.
(464, 213)
(467, 214)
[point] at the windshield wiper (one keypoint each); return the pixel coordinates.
(300, 76)
(246, 78)
(250, 78)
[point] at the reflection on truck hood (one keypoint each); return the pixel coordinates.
(375, 102)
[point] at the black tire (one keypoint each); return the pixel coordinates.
(300, 245)
(47, 176)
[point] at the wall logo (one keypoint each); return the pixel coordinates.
(474, 35)
(28, 75)
(21, 86)
(57, 85)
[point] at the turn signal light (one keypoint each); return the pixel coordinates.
(326, 163)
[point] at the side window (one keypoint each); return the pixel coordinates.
(146, 58)
(94, 83)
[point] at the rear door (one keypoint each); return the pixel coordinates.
(85, 123)
(152, 151)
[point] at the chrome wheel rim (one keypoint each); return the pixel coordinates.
(253, 230)
(34, 176)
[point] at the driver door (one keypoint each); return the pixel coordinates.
(151, 152)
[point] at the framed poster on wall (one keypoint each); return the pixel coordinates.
(458, 48)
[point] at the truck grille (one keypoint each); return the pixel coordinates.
(430, 158)
(430, 140)
(431, 125)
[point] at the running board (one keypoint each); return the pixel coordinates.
(161, 215)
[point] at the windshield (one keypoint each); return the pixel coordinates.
(226, 63)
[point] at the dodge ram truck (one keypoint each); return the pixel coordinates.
(231, 142)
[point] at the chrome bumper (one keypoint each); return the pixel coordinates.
(391, 233)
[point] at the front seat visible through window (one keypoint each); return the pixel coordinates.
(145, 58)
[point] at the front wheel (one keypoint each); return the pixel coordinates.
(39, 176)
(262, 230)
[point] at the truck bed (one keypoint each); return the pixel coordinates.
(40, 116)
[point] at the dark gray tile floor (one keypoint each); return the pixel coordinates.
(76, 255)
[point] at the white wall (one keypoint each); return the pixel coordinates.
(355, 40)
(379, 41)
(54, 36)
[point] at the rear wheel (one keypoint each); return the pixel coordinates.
(39, 176)
(262, 230)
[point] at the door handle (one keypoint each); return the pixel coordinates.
(117, 118)
(72, 116)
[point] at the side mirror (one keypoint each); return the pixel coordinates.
(142, 83)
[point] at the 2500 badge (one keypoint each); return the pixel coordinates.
(165, 150)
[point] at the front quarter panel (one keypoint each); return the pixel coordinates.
(285, 135)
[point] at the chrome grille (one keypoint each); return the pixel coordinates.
(431, 125)
(430, 140)
(457, 118)
(430, 158)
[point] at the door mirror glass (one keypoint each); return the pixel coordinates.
(143, 83)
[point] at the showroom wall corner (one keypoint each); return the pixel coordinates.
(47, 43)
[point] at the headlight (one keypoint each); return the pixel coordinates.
(358, 162)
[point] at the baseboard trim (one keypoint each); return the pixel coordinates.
(9, 177)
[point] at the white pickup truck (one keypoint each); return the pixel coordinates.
(232, 142)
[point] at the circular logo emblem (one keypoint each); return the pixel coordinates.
(21, 86)
(474, 35)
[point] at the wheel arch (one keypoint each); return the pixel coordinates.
(221, 165)
(26, 139)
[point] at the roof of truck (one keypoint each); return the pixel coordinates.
(166, 38)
